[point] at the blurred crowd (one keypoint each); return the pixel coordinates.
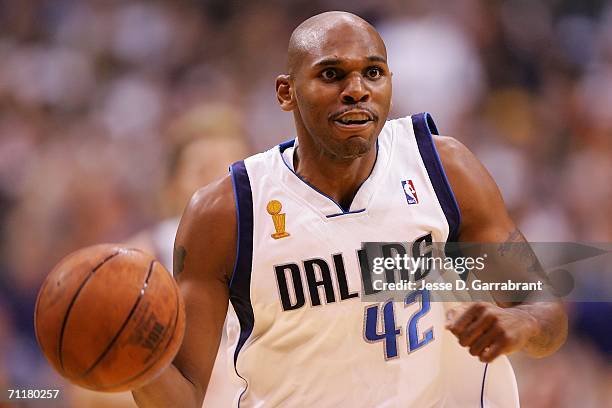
(112, 113)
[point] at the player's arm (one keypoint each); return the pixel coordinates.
(204, 253)
(538, 328)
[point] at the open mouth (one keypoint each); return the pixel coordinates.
(359, 118)
(353, 121)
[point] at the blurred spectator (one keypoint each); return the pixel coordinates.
(99, 98)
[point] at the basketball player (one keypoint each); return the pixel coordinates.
(279, 238)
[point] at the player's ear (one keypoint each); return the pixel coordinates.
(284, 92)
(391, 100)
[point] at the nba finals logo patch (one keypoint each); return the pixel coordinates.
(410, 192)
(274, 208)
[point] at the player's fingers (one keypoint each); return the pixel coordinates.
(476, 329)
(464, 318)
(455, 312)
(491, 352)
(455, 315)
(485, 340)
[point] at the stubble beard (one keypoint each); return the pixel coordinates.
(337, 150)
(348, 150)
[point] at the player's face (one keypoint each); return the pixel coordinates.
(343, 91)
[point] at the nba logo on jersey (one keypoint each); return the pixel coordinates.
(410, 191)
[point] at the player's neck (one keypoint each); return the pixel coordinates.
(338, 179)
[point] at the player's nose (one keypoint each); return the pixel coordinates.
(355, 90)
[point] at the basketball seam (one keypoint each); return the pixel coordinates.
(176, 316)
(125, 322)
(60, 345)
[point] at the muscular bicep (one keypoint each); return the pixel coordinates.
(204, 253)
(484, 217)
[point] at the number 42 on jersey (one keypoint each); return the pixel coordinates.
(390, 332)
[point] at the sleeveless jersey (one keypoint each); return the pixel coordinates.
(302, 335)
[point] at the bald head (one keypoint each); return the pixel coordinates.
(337, 63)
(314, 34)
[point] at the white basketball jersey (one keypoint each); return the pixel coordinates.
(304, 337)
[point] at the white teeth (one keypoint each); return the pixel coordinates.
(353, 117)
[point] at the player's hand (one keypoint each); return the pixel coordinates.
(489, 330)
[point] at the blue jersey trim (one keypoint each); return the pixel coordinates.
(240, 284)
(424, 127)
(484, 376)
(285, 145)
(290, 143)
(345, 213)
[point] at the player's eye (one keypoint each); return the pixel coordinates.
(329, 74)
(374, 73)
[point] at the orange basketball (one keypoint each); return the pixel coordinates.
(109, 318)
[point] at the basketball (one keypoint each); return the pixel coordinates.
(109, 318)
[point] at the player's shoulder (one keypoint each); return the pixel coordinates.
(460, 164)
(452, 152)
(215, 199)
(208, 229)
(475, 190)
(211, 213)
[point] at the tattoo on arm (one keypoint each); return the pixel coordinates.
(519, 251)
(179, 259)
(514, 237)
(551, 318)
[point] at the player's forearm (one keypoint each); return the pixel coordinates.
(550, 327)
(170, 389)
